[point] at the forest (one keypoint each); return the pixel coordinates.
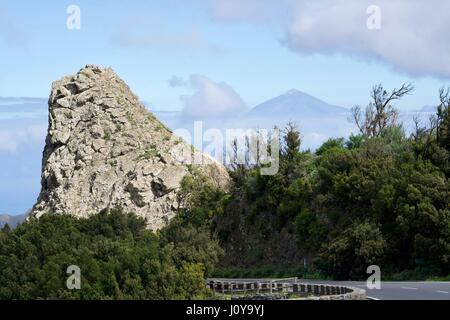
(379, 197)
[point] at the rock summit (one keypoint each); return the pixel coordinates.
(104, 149)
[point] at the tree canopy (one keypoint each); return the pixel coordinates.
(117, 256)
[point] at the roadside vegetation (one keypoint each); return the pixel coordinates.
(380, 197)
(117, 256)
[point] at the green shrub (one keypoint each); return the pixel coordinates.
(117, 256)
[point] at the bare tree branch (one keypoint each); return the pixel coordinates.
(380, 113)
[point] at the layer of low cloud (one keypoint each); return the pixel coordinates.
(211, 99)
(11, 140)
(412, 39)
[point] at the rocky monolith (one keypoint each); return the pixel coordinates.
(104, 149)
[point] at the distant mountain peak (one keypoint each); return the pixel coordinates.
(295, 103)
(293, 91)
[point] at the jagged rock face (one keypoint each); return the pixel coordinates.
(104, 149)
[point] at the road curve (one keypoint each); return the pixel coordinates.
(401, 290)
(390, 290)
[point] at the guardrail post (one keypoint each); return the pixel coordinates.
(316, 289)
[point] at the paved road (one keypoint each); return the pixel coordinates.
(402, 290)
(411, 290)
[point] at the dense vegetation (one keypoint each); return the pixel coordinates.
(118, 259)
(380, 197)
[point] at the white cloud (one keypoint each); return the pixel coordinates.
(413, 38)
(7, 142)
(313, 140)
(11, 140)
(211, 99)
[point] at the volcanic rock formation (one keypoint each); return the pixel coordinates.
(105, 149)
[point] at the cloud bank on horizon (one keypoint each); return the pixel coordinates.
(14, 138)
(211, 99)
(227, 56)
(331, 27)
(207, 98)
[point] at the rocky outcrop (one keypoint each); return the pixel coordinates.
(105, 149)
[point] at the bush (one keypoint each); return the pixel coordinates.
(117, 256)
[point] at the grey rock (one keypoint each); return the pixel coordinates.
(105, 149)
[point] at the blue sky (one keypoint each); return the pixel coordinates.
(148, 42)
(240, 51)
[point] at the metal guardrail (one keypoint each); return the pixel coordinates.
(277, 286)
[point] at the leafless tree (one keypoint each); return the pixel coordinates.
(444, 97)
(422, 136)
(419, 128)
(234, 156)
(380, 113)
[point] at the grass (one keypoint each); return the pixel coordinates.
(150, 152)
(131, 119)
(107, 135)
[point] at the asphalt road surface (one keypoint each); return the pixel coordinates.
(399, 290)
(402, 290)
